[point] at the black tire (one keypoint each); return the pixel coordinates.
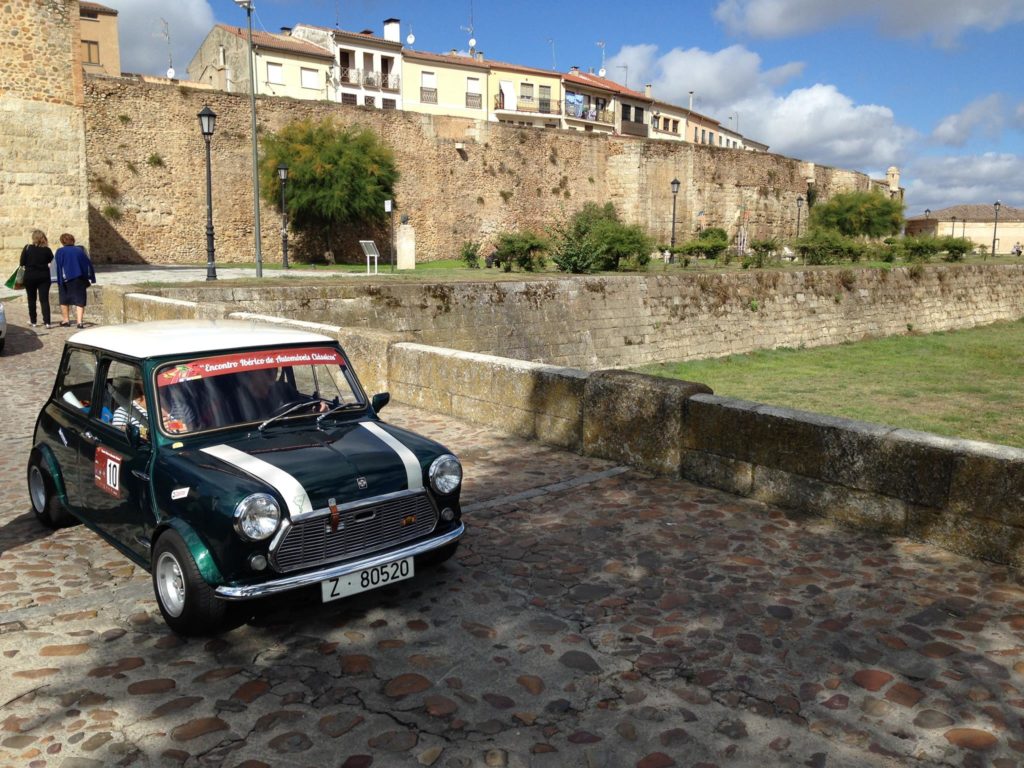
(2, 342)
(188, 604)
(437, 556)
(47, 507)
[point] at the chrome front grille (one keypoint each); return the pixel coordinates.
(362, 529)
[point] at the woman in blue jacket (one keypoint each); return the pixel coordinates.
(74, 274)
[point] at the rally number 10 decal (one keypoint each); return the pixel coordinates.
(107, 471)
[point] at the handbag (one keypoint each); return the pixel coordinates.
(17, 279)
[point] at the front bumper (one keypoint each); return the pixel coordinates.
(286, 583)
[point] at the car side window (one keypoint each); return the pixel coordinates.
(77, 377)
(123, 398)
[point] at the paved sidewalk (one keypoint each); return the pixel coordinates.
(595, 616)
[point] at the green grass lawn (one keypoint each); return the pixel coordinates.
(960, 383)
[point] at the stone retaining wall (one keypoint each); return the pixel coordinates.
(965, 496)
(632, 320)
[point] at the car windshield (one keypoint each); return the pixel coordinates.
(274, 385)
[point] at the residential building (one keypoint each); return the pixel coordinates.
(728, 138)
(445, 84)
(976, 222)
(101, 48)
(367, 69)
(524, 96)
(284, 66)
(597, 100)
(668, 122)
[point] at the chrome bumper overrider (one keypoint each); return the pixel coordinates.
(276, 586)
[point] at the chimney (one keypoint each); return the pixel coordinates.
(647, 90)
(286, 31)
(590, 70)
(393, 30)
(453, 52)
(479, 55)
(574, 70)
(691, 102)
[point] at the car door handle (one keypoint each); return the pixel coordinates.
(141, 475)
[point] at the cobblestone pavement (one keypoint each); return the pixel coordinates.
(595, 616)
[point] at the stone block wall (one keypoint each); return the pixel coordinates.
(42, 139)
(505, 178)
(631, 320)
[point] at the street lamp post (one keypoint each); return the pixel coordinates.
(952, 227)
(995, 224)
(799, 205)
(247, 4)
(282, 176)
(207, 121)
(675, 191)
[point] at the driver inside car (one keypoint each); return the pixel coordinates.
(262, 393)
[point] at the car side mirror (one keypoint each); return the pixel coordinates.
(380, 400)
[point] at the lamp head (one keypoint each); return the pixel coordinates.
(282, 172)
(998, 205)
(207, 121)
(799, 200)
(927, 212)
(675, 186)
(247, 4)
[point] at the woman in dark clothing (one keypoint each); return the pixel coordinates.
(74, 274)
(36, 258)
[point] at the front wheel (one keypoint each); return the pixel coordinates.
(47, 507)
(188, 604)
(437, 556)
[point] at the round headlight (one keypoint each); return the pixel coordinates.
(445, 474)
(257, 517)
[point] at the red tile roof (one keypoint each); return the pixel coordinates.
(444, 58)
(280, 43)
(605, 84)
(95, 8)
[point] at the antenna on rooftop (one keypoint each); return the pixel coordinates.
(165, 33)
(469, 29)
(337, 14)
(625, 67)
(554, 63)
(410, 38)
(602, 71)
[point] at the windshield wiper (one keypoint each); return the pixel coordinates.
(293, 407)
(337, 409)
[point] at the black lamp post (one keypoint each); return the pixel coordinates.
(675, 191)
(995, 224)
(952, 227)
(251, 51)
(799, 205)
(927, 213)
(207, 121)
(282, 176)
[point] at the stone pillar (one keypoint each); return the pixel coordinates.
(406, 246)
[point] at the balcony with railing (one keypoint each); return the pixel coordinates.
(369, 78)
(630, 128)
(536, 106)
(428, 95)
(474, 100)
(588, 112)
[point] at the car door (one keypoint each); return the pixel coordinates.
(65, 419)
(115, 458)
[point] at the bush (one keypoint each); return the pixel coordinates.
(615, 242)
(956, 248)
(921, 249)
(594, 238)
(470, 254)
(762, 253)
(574, 254)
(710, 244)
(827, 246)
(521, 249)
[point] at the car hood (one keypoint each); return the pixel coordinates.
(309, 467)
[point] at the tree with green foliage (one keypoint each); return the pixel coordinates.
(828, 246)
(921, 248)
(710, 243)
(522, 249)
(956, 248)
(595, 238)
(859, 214)
(338, 177)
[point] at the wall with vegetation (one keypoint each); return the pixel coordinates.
(147, 177)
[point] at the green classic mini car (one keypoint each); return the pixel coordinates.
(236, 461)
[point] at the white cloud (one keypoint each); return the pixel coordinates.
(143, 47)
(942, 20)
(817, 123)
(984, 114)
(938, 182)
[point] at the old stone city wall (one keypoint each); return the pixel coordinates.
(42, 176)
(146, 167)
(630, 320)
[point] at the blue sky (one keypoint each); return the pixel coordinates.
(931, 86)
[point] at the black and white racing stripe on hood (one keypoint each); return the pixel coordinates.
(307, 473)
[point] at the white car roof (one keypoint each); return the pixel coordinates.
(186, 337)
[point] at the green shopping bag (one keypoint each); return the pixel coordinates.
(17, 279)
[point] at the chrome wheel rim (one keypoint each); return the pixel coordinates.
(170, 584)
(37, 489)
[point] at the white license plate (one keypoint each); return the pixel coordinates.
(366, 579)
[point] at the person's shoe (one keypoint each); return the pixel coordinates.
(33, 325)
(81, 325)
(65, 324)
(49, 326)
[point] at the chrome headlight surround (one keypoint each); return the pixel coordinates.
(257, 517)
(445, 474)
